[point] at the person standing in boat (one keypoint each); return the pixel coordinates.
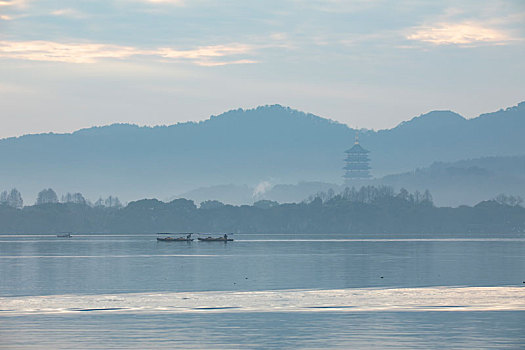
(225, 237)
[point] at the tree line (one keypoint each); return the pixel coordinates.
(13, 199)
(368, 209)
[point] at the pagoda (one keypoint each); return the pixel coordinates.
(357, 160)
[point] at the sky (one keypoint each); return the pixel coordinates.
(66, 65)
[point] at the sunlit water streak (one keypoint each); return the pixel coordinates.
(343, 300)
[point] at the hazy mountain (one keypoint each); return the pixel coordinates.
(467, 181)
(270, 143)
(451, 183)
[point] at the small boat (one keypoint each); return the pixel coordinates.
(215, 239)
(181, 238)
(64, 235)
(177, 239)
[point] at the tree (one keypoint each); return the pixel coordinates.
(417, 197)
(79, 198)
(46, 196)
(509, 200)
(3, 197)
(317, 202)
(76, 198)
(427, 198)
(112, 202)
(403, 194)
(265, 204)
(211, 204)
(14, 199)
(67, 198)
(182, 204)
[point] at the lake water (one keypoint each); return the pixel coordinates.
(262, 291)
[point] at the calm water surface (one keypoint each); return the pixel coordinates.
(42, 265)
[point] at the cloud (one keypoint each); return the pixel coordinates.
(58, 52)
(206, 51)
(209, 55)
(216, 63)
(459, 34)
(68, 12)
(213, 55)
(13, 3)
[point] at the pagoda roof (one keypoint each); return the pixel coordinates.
(357, 149)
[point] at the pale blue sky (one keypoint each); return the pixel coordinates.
(65, 65)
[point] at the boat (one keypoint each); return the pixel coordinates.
(215, 239)
(183, 237)
(177, 239)
(64, 235)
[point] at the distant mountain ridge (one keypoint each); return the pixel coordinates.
(269, 143)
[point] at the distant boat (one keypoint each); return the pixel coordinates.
(183, 237)
(215, 239)
(64, 235)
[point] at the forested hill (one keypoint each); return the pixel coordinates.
(243, 147)
(368, 210)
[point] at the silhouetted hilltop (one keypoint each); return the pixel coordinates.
(270, 143)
